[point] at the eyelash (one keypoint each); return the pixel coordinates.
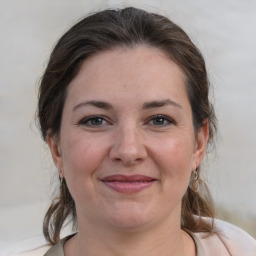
(163, 118)
(86, 121)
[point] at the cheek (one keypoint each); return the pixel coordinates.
(81, 157)
(174, 162)
(175, 159)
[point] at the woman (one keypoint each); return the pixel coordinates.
(123, 106)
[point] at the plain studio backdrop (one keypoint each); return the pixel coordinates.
(225, 33)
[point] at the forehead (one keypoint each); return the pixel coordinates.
(141, 71)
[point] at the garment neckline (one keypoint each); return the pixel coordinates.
(199, 247)
(58, 249)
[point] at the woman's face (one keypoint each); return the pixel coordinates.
(127, 145)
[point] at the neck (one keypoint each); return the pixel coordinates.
(163, 239)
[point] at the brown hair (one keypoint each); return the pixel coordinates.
(107, 30)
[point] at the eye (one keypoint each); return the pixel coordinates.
(93, 121)
(161, 120)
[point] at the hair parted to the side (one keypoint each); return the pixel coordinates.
(110, 29)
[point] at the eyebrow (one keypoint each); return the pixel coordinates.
(146, 105)
(95, 103)
(161, 103)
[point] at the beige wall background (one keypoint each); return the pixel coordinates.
(225, 33)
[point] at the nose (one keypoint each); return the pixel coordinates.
(128, 147)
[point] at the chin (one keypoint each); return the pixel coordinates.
(129, 224)
(130, 218)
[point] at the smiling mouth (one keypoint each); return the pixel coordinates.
(128, 184)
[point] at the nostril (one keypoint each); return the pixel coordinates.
(128, 160)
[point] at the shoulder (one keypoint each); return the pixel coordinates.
(35, 252)
(33, 246)
(39, 251)
(228, 239)
(236, 239)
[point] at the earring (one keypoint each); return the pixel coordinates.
(194, 183)
(61, 177)
(61, 180)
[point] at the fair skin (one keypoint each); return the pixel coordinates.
(127, 113)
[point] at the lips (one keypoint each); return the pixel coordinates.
(128, 184)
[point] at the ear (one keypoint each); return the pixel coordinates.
(200, 144)
(54, 145)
